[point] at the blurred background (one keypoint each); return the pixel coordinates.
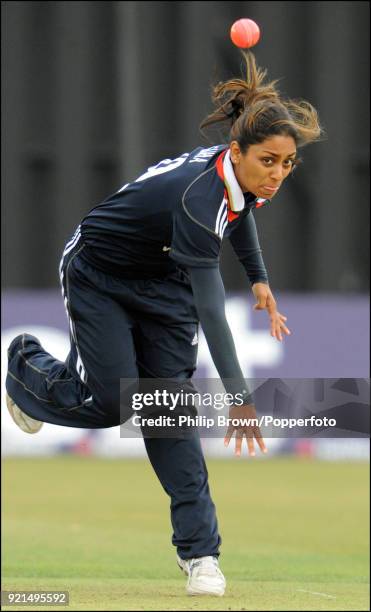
(95, 92)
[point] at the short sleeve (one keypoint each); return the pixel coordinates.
(194, 241)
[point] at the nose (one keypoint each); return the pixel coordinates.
(277, 173)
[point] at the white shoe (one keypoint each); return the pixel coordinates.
(25, 422)
(204, 576)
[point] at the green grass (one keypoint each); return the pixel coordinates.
(295, 534)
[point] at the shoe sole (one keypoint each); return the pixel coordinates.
(194, 593)
(24, 422)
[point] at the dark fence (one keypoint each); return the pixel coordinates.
(94, 92)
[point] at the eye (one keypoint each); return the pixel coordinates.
(288, 162)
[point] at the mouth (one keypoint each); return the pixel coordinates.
(269, 189)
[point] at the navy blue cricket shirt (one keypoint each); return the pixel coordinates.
(177, 213)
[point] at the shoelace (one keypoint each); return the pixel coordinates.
(208, 566)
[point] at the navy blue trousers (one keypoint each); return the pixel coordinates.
(122, 329)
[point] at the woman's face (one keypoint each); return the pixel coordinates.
(264, 167)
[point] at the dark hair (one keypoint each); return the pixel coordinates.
(254, 110)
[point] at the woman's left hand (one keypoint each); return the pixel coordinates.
(266, 301)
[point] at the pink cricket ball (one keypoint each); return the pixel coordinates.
(245, 33)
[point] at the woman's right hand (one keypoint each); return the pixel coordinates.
(248, 428)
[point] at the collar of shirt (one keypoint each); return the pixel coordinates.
(237, 200)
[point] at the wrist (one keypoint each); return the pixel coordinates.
(260, 282)
(247, 397)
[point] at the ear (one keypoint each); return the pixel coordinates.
(235, 151)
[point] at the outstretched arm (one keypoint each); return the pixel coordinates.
(209, 296)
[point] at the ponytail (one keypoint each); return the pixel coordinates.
(253, 110)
